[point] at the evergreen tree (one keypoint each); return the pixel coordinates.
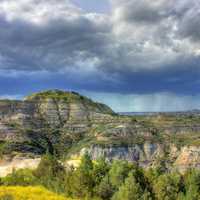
(147, 195)
(68, 181)
(86, 163)
(118, 172)
(82, 182)
(168, 186)
(138, 173)
(130, 190)
(49, 167)
(100, 170)
(51, 173)
(105, 190)
(192, 184)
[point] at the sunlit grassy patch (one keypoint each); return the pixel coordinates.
(28, 193)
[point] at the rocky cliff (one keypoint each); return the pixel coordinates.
(149, 155)
(68, 124)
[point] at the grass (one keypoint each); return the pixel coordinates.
(28, 193)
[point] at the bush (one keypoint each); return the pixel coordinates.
(51, 173)
(82, 181)
(130, 190)
(105, 190)
(49, 167)
(21, 177)
(118, 172)
(119, 180)
(168, 187)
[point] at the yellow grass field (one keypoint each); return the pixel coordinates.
(28, 193)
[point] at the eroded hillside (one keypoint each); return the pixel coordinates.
(68, 124)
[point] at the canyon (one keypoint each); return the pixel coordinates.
(69, 125)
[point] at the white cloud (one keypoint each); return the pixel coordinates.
(38, 11)
(153, 31)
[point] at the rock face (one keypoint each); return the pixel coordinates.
(47, 119)
(143, 154)
(54, 108)
(68, 123)
(147, 155)
(188, 157)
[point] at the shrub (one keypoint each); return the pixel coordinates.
(23, 177)
(51, 173)
(104, 190)
(82, 180)
(130, 190)
(168, 186)
(118, 172)
(49, 167)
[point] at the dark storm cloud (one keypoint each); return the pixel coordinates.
(59, 43)
(182, 81)
(190, 26)
(141, 47)
(143, 11)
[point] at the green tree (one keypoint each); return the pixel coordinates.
(130, 190)
(82, 182)
(105, 190)
(51, 173)
(192, 185)
(86, 163)
(147, 195)
(68, 180)
(138, 173)
(49, 167)
(160, 165)
(167, 187)
(118, 172)
(100, 169)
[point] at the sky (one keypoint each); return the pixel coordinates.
(132, 55)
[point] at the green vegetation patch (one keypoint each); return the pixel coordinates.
(100, 180)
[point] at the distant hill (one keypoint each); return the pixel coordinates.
(189, 112)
